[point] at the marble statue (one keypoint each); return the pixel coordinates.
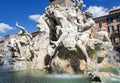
(69, 32)
(25, 40)
(64, 42)
(84, 36)
(103, 35)
(76, 2)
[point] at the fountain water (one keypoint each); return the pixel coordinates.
(113, 61)
(63, 45)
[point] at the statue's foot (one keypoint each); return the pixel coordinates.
(54, 42)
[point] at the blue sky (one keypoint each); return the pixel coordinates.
(25, 11)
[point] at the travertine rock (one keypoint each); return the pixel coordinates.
(63, 44)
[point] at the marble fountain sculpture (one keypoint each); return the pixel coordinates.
(64, 44)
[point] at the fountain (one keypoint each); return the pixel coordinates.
(65, 45)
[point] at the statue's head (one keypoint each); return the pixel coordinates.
(49, 10)
(41, 24)
(88, 14)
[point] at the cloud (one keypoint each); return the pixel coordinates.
(4, 27)
(34, 17)
(115, 7)
(98, 11)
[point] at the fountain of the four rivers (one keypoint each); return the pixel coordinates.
(64, 50)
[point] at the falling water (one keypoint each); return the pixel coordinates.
(39, 77)
(112, 60)
(6, 65)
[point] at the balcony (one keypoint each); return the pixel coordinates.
(115, 34)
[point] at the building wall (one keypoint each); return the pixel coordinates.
(110, 22)
(100, 22)
(2, 47)
(7, 39)
(114, 11)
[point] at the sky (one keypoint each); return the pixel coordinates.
(26, 12)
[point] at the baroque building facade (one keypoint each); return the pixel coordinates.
(112, 24)
(5, 41)
(1, 47)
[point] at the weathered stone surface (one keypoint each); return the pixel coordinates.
(64, 3)
(63, 44)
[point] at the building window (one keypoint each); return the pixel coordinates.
(110, 20)
(113, 40)
(110, 29)
(117, 40)
(100, 24)
(118, 18)
(118, 28)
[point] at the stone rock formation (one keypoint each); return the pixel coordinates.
(63, 44)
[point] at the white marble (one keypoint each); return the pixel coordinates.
(64, 42)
